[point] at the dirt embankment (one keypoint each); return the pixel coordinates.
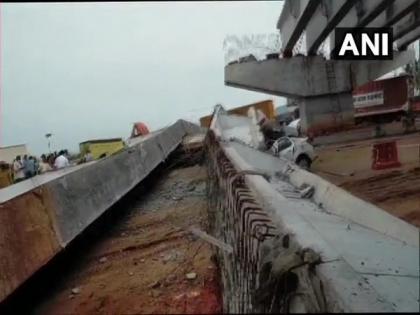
(148, 262)
(397, 192)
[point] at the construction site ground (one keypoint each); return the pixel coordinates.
(141, 259)
(396, 190)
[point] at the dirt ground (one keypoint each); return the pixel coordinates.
(396, 191)
(149, 262)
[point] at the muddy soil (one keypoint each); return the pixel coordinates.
(396, 191)
(148, 262)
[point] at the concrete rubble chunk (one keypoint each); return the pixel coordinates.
(103, 260)
(172, 256)
(191, 276)
(170, 278)
(155, 284)
(75, 290)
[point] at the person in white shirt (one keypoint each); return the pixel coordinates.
(18, 170)
(61, 161)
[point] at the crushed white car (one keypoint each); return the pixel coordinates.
(297, 150)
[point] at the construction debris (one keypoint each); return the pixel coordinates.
(191, 276)
(75, 290)
(307, 192)
(153, 263)
(103, 260)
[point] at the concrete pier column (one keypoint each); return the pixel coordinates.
(323, 114)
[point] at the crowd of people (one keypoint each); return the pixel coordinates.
(28, 166)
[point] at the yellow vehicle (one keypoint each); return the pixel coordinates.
(101, 147)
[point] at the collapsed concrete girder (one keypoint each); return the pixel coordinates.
(331, 253)
(39, 217)
(308, 76)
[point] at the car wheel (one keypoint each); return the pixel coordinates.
(304, 162)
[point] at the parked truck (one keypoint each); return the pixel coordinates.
(384, 100)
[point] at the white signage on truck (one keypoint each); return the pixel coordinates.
(368, 99)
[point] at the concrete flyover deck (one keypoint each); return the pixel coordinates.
(329, 251)
(41, 216)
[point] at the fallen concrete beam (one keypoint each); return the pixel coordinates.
(331, 253)
(41, 216)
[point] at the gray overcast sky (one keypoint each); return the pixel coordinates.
(89, 70)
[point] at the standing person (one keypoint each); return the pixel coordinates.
(36, 162)
(44, 166)
(50, 160)
(18, 170)
(61, 160)
(25, 166)
(30, 167)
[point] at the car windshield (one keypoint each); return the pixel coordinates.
(283, 143)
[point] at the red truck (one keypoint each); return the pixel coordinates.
(415, 105)
(384, 100)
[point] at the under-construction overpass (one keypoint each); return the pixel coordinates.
(324, 86)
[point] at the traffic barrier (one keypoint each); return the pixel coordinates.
(385, 155)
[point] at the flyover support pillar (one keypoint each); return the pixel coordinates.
(323, 114)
